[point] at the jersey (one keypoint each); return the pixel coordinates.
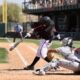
(18, 28)
(64, 51)
(46, 31)
(69, 54)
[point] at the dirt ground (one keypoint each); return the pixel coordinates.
(21, 57)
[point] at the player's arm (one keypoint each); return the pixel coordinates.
(57, 50)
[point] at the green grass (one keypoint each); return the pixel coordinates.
(4, 52)
(32, 41)
(77, 43)
(55, 43)
(3, 55)
(3, 40)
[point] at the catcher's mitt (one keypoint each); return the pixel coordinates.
(50, 54)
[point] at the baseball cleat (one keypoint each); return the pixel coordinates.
(39, 72)
(29, 68)
(77, 73)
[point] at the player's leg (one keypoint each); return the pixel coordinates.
(21, 35)
(31, 66)
(51, 65)
(71, 65)
(36, 59)
(16, 34)
(14, 37)
(41, 52)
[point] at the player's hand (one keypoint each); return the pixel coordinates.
(28, 35)
(31, 31)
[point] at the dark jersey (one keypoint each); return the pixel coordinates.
(46, 31)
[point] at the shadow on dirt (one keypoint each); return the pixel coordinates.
(49, 73)
(12, 70)
(62, 74)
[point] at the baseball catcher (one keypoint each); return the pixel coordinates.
(71, 58)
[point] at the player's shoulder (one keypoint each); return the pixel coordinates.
(19, 26)
(63, 48)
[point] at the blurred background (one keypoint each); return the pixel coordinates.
(65, 13)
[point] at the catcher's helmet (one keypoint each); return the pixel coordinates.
(67, 41)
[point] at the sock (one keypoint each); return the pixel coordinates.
(36, 59)
(46, 59)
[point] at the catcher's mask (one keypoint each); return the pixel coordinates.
(67, 41)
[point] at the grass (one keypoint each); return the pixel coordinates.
(32, 41)
(4, 52)
(3, 40)
(77, 43)
(3, 55)
(55, 44)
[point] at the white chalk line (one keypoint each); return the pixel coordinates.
(33, 49)
(18, 53)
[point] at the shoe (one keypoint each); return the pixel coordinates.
(77, 73)
(39, 72)
(29, 68)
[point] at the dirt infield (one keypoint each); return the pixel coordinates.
(22, 56)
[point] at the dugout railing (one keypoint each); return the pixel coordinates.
(74, 35)
(27, 27)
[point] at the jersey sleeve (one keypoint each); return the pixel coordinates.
(59, 49)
